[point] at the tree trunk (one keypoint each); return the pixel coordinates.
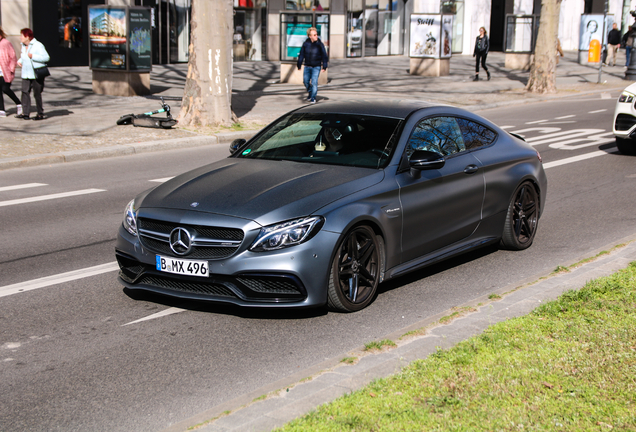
(543, 69)
(207, 96)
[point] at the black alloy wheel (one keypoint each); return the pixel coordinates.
(522, 218)
(355, 271)
(626, 146)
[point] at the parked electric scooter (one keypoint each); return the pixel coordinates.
(146, 119)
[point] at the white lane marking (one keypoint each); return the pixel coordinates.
(537, 121)
(21, 186)
(163, 313)
(564, 117)
(570, 135)
(597, 111)
(49, 197)
(592, 140)
(543, 130)
(57, 279)
(506, 127)
(161, 180)
(606, 95)
(579, 158)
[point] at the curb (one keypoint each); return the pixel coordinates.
(296, 395)
(122, 150)
(221, 138)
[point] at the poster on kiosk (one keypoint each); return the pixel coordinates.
(431, 36)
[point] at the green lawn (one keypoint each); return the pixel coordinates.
(570, 365)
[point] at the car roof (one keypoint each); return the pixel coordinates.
(394, 108)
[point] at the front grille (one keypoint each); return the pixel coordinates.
(155, 235)
(624, 122)
(248, 287)
(213, 289)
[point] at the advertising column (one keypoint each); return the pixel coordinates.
(430, 44)
(120, 49)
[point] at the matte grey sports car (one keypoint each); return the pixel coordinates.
(329, 201)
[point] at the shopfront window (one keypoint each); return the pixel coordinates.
(455, 8)
(374, 27)
(293, 28)
(307, 5)
(249, 29)
(70, 23)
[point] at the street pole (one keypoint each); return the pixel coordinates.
(603, 43)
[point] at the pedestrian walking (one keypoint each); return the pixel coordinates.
(33, 61)
(482, 46)
(628, 39)
(8, 61)
(314, 54)
(613, 43)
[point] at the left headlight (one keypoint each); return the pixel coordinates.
(130, 218)
(626, 97)
(286, 234)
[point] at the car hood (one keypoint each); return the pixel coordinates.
(265, 191)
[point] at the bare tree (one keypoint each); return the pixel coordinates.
(207, 96)
(543, 69)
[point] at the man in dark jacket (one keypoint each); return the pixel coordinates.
(613, 42)
(314, 54)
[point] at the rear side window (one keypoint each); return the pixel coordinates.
(475, 135)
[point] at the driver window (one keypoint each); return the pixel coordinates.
(437, 134)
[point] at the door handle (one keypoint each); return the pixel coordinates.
(470, 169)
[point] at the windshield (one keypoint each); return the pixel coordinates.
(334, 139)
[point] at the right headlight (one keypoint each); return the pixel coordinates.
(286, 234)
(626, 97)
(130, 218)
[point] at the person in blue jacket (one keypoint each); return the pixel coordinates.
(314, 54)
(33, 56)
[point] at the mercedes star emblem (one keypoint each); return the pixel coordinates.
(194, 204)
(180, 241)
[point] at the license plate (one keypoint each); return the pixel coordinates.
(182, 266)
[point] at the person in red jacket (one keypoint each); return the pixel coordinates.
(8, 61)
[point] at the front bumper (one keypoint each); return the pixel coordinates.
(293, 277)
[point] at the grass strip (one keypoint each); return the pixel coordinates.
(569, 365)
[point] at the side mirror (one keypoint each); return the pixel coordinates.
(236, 145)
(425, 160)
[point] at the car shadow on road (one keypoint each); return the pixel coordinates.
(436, 268)
(226, 309)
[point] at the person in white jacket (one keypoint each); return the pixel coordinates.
(33, 56)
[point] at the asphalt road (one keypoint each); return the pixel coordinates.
(73, 356)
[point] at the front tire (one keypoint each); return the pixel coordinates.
(522, 218)
(626, 147)
(355, 271)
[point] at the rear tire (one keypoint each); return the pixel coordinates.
(522, 219)
(626, 147)
(355, 271)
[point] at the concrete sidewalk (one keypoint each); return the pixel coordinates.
(81, 125)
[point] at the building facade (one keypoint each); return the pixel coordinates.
(274, 29)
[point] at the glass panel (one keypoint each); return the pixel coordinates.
(322, 25)
(293, 30)
(456, 8)
(70, 23)
(475, 135)
(335, 139)
(179, 25)
(307, 5)
(437, 134)
(519, 34)
(355, 18)
(248, 30)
